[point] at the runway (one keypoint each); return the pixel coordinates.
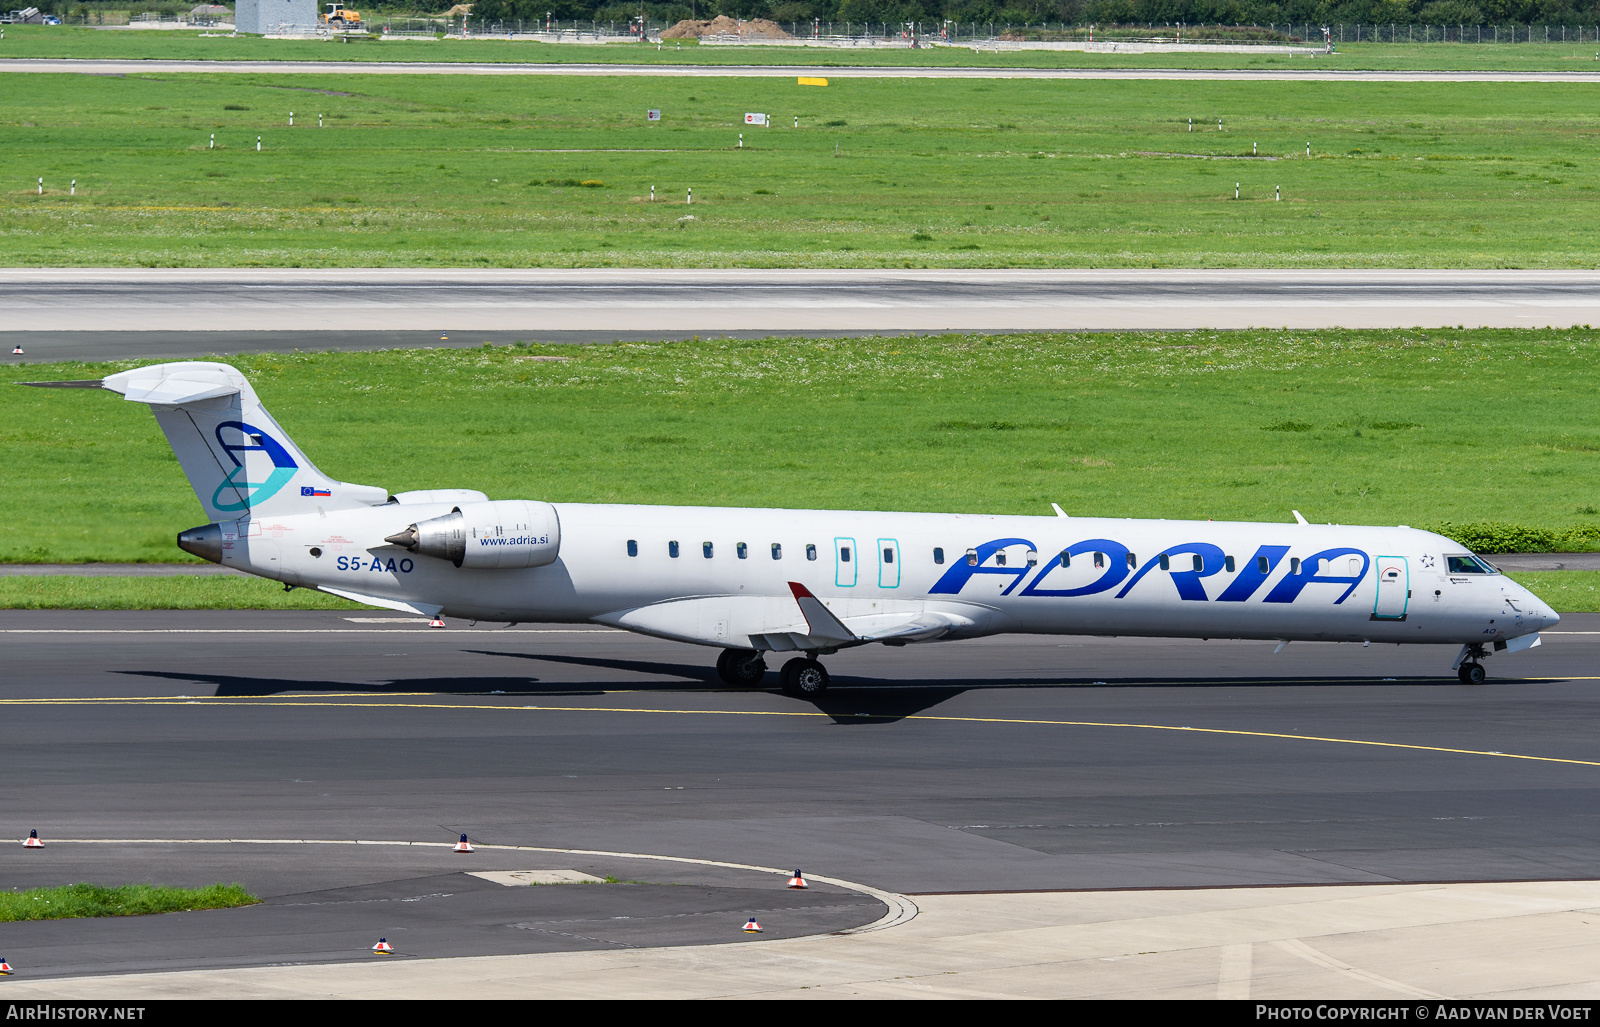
(102, 314)
(1006, 764)
(1318, 72)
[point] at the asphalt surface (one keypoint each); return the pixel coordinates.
(1011, 763)
(1319, 71)
(150, 312)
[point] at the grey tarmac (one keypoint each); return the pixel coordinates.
(1319, 72)
(76, 313)
(1011, 764)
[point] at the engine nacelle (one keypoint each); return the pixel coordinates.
(499, 533)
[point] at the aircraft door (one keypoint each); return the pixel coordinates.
(1394, 588)
(888, 563)
(845, 559)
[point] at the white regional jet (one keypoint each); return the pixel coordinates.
(809, 582)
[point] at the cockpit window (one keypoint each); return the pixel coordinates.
(1469, 565)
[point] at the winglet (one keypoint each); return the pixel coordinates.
(819, 619)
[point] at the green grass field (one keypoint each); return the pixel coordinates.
(72, 42)
(1349, 427)
(84, 899)
(450, 171)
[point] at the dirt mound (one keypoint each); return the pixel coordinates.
(722, 25)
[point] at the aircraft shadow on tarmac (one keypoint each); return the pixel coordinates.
(850, 701)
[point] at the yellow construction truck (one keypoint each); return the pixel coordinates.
(340, 18)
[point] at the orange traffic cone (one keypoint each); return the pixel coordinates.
(5, 967)
(463, 845)
(437, 622)
(383, 948)
(797, 881)
(33, 841)
(751, 927)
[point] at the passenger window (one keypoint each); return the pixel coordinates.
(705, 547)
(1133, 561)
(1355, 565)
(633, 547)
(1099, 560)
(938, 556)
(1033, 558)
(1227, 564)
(1294, 565)
(672, 550)
(1066, 558)
(741, 550)
(972, 558)
(1166, 564)
(777, 551)
(811, 552)
(1199, 564)
(888, 556)
(1000, 558)
(844, 554)
(1262, 565)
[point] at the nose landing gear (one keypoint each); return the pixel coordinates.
(1468, 669)
(804, 678)
(741, 668)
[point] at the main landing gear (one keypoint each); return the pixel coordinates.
(1471, 671)
(742, 668)
(802, 677)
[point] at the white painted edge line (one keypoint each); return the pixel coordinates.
(901, 908)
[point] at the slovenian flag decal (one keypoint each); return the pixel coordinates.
(307, 490)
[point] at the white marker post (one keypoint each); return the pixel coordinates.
(41, 187)
(291, 119)
(1252, 149)
(1277, 192)
(213, 145)
(1236, 190)
(797, 121)
(1219, 124)
(1308, 147)
(74, 188)
(741, 140)
(258, 144)
(1191, 124)
(691, 195)
(319, 121)
(652, 194)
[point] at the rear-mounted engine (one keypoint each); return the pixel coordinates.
(501, 533)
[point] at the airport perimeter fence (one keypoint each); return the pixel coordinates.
(960, 33)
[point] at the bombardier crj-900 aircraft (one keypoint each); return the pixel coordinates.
(808, 582)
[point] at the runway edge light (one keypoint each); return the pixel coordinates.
(463, 845)
(33, 841)
(5, 967)
(751, 927)
(798, 881)
(383, 948)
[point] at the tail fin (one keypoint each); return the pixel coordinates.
(239, 461)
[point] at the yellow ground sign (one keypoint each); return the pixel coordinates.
(813, 81)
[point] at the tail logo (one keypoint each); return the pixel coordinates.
(245, 493)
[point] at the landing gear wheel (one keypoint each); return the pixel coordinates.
(804, 679)
(742, 668)
(1471, 674)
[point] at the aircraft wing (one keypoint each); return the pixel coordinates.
(798, 623)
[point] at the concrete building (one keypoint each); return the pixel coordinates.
(272, 17)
